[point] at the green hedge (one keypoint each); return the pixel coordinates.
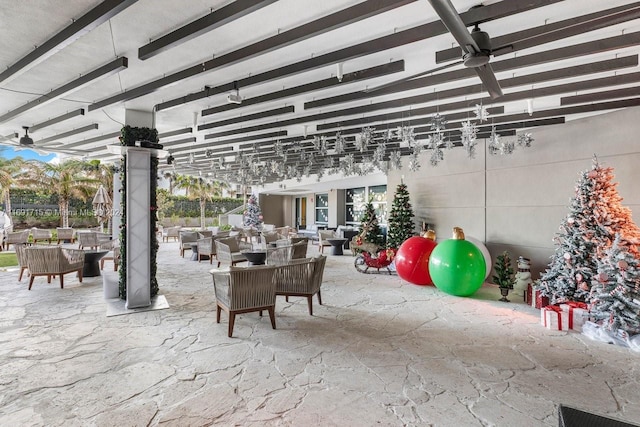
(183, 207)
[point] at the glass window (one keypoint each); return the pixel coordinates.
(322, 208)
(378, 196)
(355, 200)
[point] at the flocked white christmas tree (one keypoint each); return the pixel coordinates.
(596, 215)
(615, 292)
(253, 214)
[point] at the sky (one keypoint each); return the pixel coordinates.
(9, 153)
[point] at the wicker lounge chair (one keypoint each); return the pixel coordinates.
(66, 234)
(244, 290)
(53, 261)
(301, 278)
(40, 234)
(16, 238)
(229, 250)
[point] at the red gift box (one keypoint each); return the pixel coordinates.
(578, 314)
(552, 317)
(535, 298)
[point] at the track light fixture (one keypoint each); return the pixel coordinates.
(235, 98)
(170, 159)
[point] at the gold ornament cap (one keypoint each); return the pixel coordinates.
(429, 234)
(458, 233)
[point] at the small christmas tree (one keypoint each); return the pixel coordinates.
(253, 214)
(369, 228)
(615, 294)
(400, 218)
(596, 215)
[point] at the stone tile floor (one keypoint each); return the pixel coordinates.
(378, 352)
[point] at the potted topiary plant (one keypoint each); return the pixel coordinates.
(504, 274)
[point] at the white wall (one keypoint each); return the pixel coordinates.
(516, 202)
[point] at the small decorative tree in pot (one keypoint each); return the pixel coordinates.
(504, 274)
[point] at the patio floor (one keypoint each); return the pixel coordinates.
(378, 352)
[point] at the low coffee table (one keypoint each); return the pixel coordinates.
(257, 257)
(91, 267)
(337, 243)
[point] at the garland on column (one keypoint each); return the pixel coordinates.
(148, 138)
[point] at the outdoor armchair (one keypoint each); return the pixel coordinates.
(16, 238)
(206, 247)
(113, 246)
(53, 261)
(170, 232)
(323, 235)
(41, 234)
(244, 290)
(22, 258)
(66, 234)
(187, 238)
(279, 256)
(299, 249)
(229, 250)
(301, 278)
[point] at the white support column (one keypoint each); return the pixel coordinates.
(138, 235)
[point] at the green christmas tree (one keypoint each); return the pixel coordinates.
(400, 221)
(615, 294)
(369, 228)
(253, 214)
(596, 216)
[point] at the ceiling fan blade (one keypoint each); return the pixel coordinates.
(489, 80)
(450, 18)
(405, 79)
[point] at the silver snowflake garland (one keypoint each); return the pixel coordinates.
(469, 134)
(395, 160)
(525, 139)
(481, 113)
(339, 145)
(414, 164)
(406, 134)
(278, 148)
(438, 122)
(437, 155)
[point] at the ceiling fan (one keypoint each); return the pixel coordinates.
(476, 50)
(27, 142)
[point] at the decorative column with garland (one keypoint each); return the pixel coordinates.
(138, 243)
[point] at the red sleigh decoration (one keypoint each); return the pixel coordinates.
(366, 260)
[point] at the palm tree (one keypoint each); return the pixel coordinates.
(198, 189)
(171, 177)
(10, 171)
(67, 179)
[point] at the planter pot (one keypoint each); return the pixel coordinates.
(504, 292)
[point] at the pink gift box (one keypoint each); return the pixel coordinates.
(578, 314)
(552, 317)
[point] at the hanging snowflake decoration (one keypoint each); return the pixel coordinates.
(406, 134)
(366, 167)
(494, 142)
(278, 147)
(320, 145)
(192, 158)
(307, 171)
(395, 160)
(340, 142)
(469, 134)
(347, 164)
(414, 164)
(378, 154)
(481, 113)
(296, 147)
(208, 153)
(438, 122)
(364, 138)
(320, 174)
(525, 139)
(437, 155)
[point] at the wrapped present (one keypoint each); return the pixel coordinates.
(578, 314)
(535, 299)
(528, 294)
(552, 317)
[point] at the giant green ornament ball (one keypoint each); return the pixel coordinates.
(457, 266)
